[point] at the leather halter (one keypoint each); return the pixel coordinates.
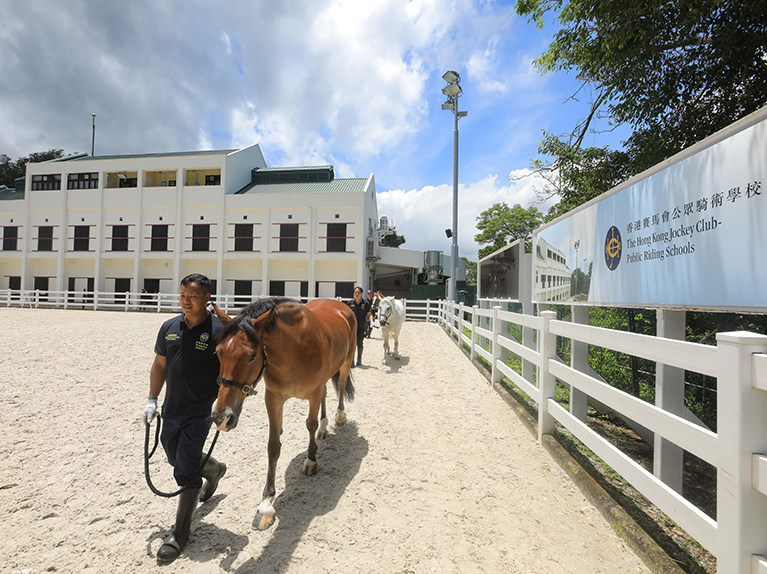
(245, 388)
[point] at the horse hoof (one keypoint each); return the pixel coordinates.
(262, 521)
(323, 435)
(310, 467)
(340, 418)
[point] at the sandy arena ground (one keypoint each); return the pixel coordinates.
(433, 472)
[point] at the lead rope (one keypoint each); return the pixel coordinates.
(148, 455)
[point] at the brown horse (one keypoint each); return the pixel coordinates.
(296, 348)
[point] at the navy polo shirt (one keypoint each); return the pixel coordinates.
(361, 311)
(192, 366)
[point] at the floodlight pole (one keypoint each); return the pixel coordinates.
(93, 137)
(454, 80)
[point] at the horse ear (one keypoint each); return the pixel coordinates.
(260, 321)
(223, 317)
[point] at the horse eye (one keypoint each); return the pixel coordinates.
(253, 357)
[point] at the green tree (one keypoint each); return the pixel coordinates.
(500, 224)
(471, 271)
(674, 71)
(392, 240)
(11, 170)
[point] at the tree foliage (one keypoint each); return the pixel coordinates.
(11, 170)
(471, 271)
(392, 240)
(501, 224)
(674, 71)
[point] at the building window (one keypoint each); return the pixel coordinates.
(243, 292)
(159, 240)
(289, 237)
(83, 181)
(82, 238)
(201, 237)
(46, 182)
(45, 238)
(119, 238)
(277, 288)
(336, 240)
(41, 285)
(243, 237)
(14, 284)
(345, 289)
(122, 286)
(10, 238)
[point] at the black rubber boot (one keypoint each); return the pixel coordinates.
(212, 473)
(359, 357)
(171, 548)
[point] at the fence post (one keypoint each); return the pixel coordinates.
(546, 384)
(127, 300)
(37, 297)
(668, 458)
(428, 305)
(474, 323)
(495, 372)
(742, 431)
(579, 360)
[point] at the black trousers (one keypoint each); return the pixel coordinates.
(183, 438)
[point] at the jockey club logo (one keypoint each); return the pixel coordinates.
(613, 248)
(204, 337)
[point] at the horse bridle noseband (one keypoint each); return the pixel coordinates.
(245, 388)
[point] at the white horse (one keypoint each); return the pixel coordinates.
(391, 316)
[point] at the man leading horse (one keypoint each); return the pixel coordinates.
(186, 364)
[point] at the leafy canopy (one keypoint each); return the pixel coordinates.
(500, 224)
(675, 71)
(11, 170)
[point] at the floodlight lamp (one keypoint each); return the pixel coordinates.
(447, 105)
(451, 77)
(122, 176)
(449, 233)
(452, 90)
(463, 114)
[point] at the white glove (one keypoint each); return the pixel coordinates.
(149, 411)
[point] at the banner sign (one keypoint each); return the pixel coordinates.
(693, 234)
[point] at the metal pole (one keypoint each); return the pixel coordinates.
(93, 138)
(454, 249)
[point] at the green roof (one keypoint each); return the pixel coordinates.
(148, 155)
(346, 185)
(7, 193)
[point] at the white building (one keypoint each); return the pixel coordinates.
(143, 221)
(552, 274)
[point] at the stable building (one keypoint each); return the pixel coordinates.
(123, 223)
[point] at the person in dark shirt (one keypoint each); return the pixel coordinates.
(361, 310)
(186, 365)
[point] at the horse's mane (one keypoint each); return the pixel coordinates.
(243, 321)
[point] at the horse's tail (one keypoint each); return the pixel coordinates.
(349, 390)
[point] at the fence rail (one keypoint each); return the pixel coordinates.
(738, 535)
(738, 451)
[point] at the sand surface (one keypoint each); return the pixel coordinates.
(432, 473)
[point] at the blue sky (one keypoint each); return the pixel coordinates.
(356, 84)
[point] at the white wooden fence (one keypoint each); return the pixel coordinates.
(738, 536)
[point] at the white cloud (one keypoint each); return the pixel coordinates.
(422, 215)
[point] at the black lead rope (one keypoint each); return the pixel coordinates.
(148, 455)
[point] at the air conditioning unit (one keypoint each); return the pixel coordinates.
(86, 176)
(172, 182)
(45, 178)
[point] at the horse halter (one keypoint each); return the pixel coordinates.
(245, 388)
